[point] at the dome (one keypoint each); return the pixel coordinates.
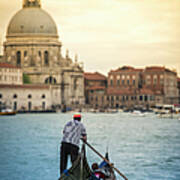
(32, 21)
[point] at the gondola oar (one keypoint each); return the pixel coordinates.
(106, 160)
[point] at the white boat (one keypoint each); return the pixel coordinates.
(7, 112)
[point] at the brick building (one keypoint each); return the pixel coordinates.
(125, 88)
(163, 83)
(95, 89)
(130, 87)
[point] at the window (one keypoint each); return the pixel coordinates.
(128, 82)
(111, 82)
(145, 98)
(118, 82)
(29, 106)
(46, 58)
(43, 96)
(25, 53)
(18, 58)
(15, 106)
(161, 79)
(122, 82)
(50, 80)
(43, 105)
(155, 79)
(134, 82)
(1, 95)
(140, 98)
(112, 98)
(15, 96)
(29, 96)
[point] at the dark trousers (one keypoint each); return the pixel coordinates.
(66, 150)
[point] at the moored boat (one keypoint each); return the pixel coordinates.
(7, 112)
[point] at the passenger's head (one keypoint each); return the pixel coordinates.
(77, 117)
(94, 166)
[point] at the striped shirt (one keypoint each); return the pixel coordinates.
(73, 131)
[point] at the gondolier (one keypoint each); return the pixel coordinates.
(73, 131)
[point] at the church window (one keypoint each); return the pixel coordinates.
(39, 53)
(29, 96)
(46, 58)
(18, 58)
(43, 105)
(15, 96)
(50, 80)
(15, 106)
(29, 106)
(75, 84)
(43, 96)
(25, 53)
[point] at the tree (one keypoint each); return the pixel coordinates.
(26, 79)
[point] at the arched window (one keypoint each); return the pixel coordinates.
(29, 96)
(18, 58)
(43, 96)
(25, 53)
(50, 80)
(46, 58)
(15, 106)
(43, 105)
(29, 106)
(15, 96)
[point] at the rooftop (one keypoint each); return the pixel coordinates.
(94, 76)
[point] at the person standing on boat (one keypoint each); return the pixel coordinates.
(73, 131)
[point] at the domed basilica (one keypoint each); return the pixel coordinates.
(32, 44)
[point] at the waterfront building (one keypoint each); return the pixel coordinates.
(10, 74)
(25, 97)
(32, 44)
(163, 82)
(131, 88)
(95, 89)
(125, 89)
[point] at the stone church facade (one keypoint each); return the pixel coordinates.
(32, 44)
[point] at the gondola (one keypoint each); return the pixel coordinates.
(80, 169)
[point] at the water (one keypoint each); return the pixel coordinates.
(142, 148)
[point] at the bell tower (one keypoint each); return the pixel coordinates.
(31, 3)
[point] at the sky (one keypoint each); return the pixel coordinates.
(108, 34)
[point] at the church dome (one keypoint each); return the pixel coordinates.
(32, 21)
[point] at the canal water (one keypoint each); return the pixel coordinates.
(142, 148)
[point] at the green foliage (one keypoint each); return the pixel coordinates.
(26, 79)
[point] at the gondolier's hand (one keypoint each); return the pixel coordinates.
(84, 138)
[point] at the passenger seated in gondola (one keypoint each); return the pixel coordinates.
(97, 173)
